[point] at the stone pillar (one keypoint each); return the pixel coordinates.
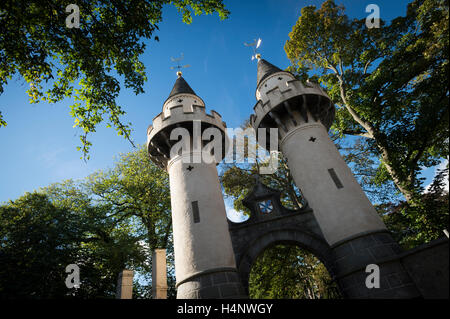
(204, 259)
(159, 274)
(340, 206)
(125, 285)
(303, 113)
(346, 217)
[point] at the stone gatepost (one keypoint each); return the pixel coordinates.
(159, 274)
(303, 113)
(125, 285)
(205, 266)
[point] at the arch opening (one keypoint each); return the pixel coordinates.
(286, 270)
(250, 249)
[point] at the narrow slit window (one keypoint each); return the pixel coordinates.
(335, 178)
(195, 212)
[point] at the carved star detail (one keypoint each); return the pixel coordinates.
(312, 139)
(180, 100)
(190, 168)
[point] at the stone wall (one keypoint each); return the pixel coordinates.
(428, 266)
(422, 272)
(353, 255)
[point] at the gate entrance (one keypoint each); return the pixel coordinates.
(286, 271)
(269, 224)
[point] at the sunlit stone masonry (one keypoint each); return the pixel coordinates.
(303, 113)
(125, 284)
(204, 260)
(159, 274)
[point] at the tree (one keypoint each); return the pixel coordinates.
(137, 188)
(38, 239)
(36, 44)
(424, 221)
(288, 272)
(357, 154)
(134, 192)
(389, 83)
(110, 221)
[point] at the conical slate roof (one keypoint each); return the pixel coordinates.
(265, 69)
(181, 86)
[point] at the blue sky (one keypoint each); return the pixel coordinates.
(38, 147)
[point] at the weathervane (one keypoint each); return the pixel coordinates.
(255, 44)
(178, 66)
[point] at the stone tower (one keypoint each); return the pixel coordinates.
(205, 266)
(303, 113)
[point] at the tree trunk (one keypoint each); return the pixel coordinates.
(399, 184)
(374, 134)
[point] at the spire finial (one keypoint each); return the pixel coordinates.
(178, 66)
(255, 44)
(265, 69)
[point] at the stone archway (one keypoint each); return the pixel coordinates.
(271, 223)
(283, 236)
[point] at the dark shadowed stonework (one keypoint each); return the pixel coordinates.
(280, 226)
(181, 86)
(428, 265)
(265, 69)
(219, 284)
(354, 254)
(422, 272)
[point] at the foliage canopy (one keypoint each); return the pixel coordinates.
(390, 84)
(86, 62)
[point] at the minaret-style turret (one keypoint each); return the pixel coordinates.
(204, 259)
(303, 114)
